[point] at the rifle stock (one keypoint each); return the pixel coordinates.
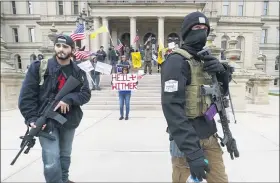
(29, 138)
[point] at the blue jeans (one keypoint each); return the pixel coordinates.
(96, 79)
(124, 98)
(56, 155)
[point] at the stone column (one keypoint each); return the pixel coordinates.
(132, 31)
(239, 76)
(259, 89)
(96, 41)
(105, 36)
(161, 29)
(259, 84)
(115, 36)
(84, 42)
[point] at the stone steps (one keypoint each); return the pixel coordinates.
(115, 94)
(146, 97)
(132, 99)
(117, 107)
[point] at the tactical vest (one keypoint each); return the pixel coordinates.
(196, 104)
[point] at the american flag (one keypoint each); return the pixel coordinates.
(79, 33)
(83, 54)
(119, 46)
(136, 39)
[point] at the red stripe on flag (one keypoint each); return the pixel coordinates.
(79, 36)
(82, 54)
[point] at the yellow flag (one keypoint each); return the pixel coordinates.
(136, 59)
(160, 52)
(98, 31)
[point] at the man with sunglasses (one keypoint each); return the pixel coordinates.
(34, 95)
(194, 145)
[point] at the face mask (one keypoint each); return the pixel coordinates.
(196, 39)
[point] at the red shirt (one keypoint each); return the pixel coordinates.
(61, 81)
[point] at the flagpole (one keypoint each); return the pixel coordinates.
(111, 38)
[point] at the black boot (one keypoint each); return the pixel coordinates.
(121, 118)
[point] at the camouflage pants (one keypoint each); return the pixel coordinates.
(213, 153)
(149, 65)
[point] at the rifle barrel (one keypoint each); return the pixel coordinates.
(18, 154)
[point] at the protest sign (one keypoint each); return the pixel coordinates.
(86, 66)
(124, 82)
(103, 68)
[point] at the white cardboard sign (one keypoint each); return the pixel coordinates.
(103, 68)
(124, 82)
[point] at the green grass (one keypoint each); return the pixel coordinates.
(274, 94)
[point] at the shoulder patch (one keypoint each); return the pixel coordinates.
(171, 86)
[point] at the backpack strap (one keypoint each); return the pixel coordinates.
(42, 70)
(182, 52)
(186, 55)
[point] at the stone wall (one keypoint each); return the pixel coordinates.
(10, 88)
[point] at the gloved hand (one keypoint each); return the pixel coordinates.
(199, 167)
(212, 64)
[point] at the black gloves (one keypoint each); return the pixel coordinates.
(212, 64)
(198, 168)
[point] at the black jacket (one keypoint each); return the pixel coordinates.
(33, 97)
(185, 132)
(101, 55)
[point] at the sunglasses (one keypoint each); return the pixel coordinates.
(62, 45)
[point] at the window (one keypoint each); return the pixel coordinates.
(14, 7)
(241, 45)
(240, 8)
(277, 36)
(15, 32)
(60, 7)
(224, 47)
(31, 34)
(18, 61)
(225, 8)
(277, 63)
(30, 7)
(264, 36)
(265, 8)
(275, 82)
(76, 7)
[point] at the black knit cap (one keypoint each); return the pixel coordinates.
(192, 19)
(65, 39)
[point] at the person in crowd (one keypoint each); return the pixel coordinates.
(113, 57)
(124, 98)
(95, 75)
(101, 54)
(148, 60)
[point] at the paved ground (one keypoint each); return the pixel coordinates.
(106, 149)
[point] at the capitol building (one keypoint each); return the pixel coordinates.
(25, 25)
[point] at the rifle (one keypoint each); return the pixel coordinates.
(28, 139)
(219, 105)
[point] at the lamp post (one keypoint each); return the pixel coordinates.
(85, 19)
(47, 49)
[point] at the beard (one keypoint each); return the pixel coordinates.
(63, 56)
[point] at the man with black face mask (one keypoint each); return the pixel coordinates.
(37, 88)
(194, 145)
